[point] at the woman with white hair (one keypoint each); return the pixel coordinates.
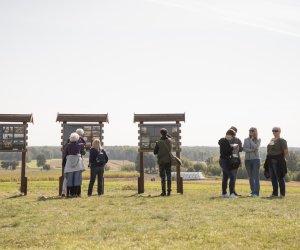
(277, 150)
(73, 167)
(97, 160)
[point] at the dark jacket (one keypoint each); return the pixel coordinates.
(72, 148)
(93, 155)
(163, 149)
(225, 149)
(282, 170)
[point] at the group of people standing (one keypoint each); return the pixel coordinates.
(275, 163)
(230, 149)
(74, 166)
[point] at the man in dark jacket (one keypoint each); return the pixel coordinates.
(163, 149)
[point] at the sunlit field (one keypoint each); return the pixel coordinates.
(122, 219)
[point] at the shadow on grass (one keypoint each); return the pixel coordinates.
(14, 196)
(150, 195)
(46, 198)
(230, 198)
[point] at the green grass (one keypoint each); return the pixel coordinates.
(121, 219)
(37, 174)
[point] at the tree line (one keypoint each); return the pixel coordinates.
(199, 158)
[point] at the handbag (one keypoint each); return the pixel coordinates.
(234, 162)
(175, 161)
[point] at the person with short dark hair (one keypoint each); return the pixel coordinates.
(277, 150)
(237, 148)
(225, 154)
(163, 149)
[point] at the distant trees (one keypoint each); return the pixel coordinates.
(149, 162)
(293, 161)
(46, 167)
(128, 168)
(204, 159)
(9, 165)
(40, 160)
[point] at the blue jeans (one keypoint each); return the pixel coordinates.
(96, 172)
(276, 179)
(227, 174)
(252, 167)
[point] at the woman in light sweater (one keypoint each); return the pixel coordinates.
(252, 161)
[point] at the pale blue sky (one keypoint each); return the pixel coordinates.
(223, 63)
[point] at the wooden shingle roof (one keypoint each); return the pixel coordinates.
(82, 117)
(16, 118)
(159, 117)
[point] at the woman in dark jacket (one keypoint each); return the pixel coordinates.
(74, 165)
(228, 173)
(97, 160)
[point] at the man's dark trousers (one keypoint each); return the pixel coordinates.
(165, 170)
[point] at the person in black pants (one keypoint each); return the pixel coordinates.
(97, 160)
(163, 149)
(228, 173)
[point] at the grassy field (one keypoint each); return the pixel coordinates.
(122, 219)
(114, 165)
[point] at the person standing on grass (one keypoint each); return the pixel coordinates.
(163, 149)
(97, 160)
(80, 132)
(277, 150)
(225, 154)
(252, 160)
(237, 148)
(73, 166)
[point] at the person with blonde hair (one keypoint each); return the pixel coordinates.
(97, 160)
(252, 160)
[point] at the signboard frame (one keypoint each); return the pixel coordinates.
(14, 121)
(158, 121)
(75, 121)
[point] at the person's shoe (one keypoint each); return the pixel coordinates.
(254, 195)
(236, 194)
(233, 195)
(169, 193)
(250, 195)
(273, 196)
(282, 196)
(163, 194)
(225, 195)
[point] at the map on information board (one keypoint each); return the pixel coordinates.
(150, 133)
(91, 132)
(12, 137)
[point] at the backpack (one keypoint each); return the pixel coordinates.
(100, 159)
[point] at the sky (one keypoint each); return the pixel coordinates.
(221, 62)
